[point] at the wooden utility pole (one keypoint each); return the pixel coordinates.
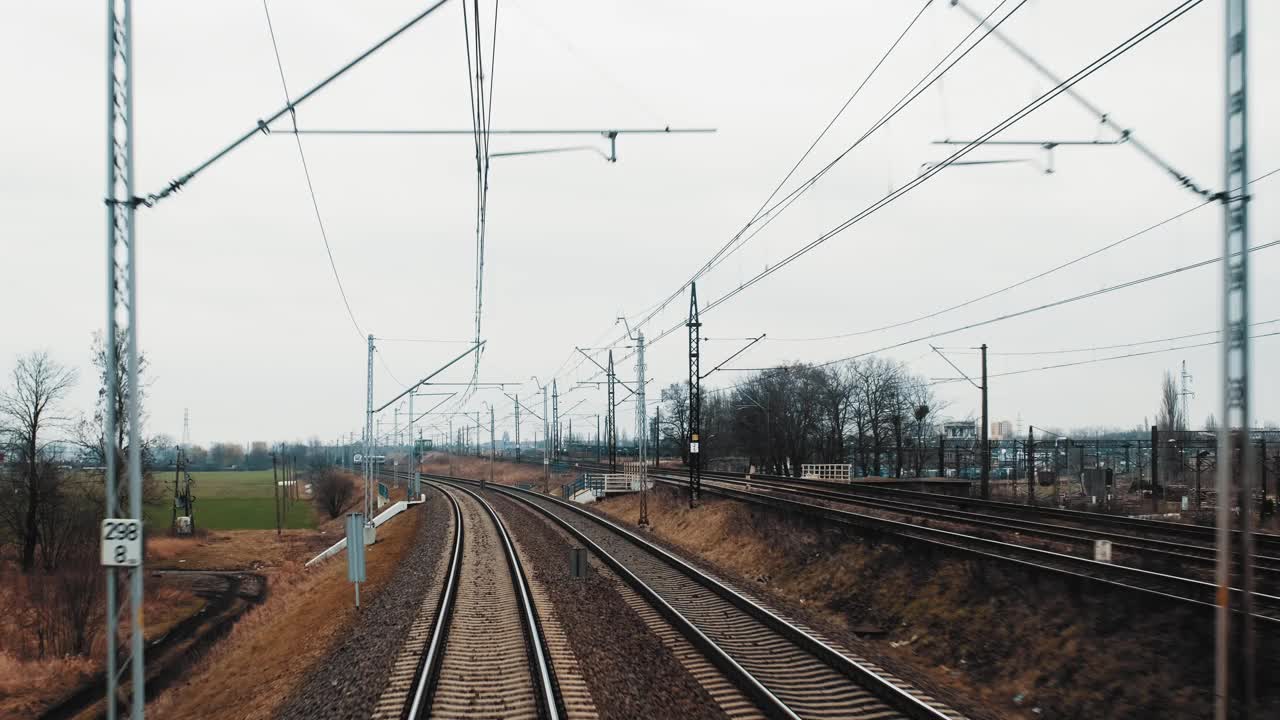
(275, 485)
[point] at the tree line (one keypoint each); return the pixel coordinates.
(872, 413)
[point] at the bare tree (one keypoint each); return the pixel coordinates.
(333, 490)
(675, 417)
(1169, 415)
(91, 433)
(28, 411)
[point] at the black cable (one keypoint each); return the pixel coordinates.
(1048, 305)
(1027, 311)
(306, 170)
(791, 197)
(1092, 67)
(1121, 357)
(921, 85)
(1072, 351)
(1022, 282)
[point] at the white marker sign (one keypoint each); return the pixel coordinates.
(122, 542)
(693, 447)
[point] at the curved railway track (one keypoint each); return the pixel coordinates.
(787, 670)
(485, 656)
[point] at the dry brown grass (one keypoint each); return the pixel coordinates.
(259, 550)
(28, 686)
(985, 632)
(29, 683)
(504, 472)
(252, 672)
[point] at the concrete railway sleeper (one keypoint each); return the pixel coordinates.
(787, 670)
(486, 656)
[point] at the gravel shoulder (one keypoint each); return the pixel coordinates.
(346, 683)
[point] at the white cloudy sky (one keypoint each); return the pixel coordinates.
(243, 323)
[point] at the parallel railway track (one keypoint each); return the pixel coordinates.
(1267, 544)
(1176, 588)
(1183, 552)
(787, 670)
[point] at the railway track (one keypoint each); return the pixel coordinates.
(1177, 588)
(484, 655)
(1267, 544)
(789, 671)
(1192, 554)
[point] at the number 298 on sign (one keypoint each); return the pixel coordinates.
(122, 542)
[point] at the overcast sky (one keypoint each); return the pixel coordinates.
(243, 324)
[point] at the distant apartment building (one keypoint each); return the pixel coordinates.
(1001, 430)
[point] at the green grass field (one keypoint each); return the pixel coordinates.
(234, 500)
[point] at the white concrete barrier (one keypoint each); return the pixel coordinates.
(341, 545)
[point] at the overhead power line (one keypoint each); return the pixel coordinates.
(781, 205)
(306, 171)
(755, 217)
(1048, 305)
(1097, 348)
(1121, 357)
(1024, 281)
(1105, 118)
(264, 125)
(1090, 68)
(1026, 311)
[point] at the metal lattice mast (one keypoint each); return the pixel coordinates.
(122, 318)
(695, 397)
(186, 427)
(368, 436)
(1234, 431)
(642, 425)
(517, 400)
(611, 419)
(555, 419)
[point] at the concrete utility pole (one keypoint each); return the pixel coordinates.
(546, 444)
(493, 447)
(368, 437)
(1234, 431)
(986, 424)
(413, 453)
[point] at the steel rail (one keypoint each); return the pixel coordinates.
(548, 701)
(718, 657)
(896, 697)
(429, 671)
(1080, 568)
(1063, 533)
(1081, 516)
